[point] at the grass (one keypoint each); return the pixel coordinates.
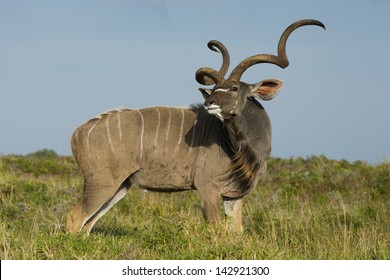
(312, 208)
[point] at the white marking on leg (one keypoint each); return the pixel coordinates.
(104, 208)
(157, 130)
(181, 131)
(109, 134)
(167, 131)
(233, 211)
(141, 146)
(85, 221)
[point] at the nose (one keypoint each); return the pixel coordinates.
(209, 102)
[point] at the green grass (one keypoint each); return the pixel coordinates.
(312, 208)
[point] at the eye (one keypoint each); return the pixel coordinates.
(235, 88)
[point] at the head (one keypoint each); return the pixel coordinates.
(229, 96)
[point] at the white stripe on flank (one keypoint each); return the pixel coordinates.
(108, 133)
(181, 131)
(167, 131)
(141, 146)
(119, 126)
(157, 130)
(193, 135)
(89, 132)
(108, 114)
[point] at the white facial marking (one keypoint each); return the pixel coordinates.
(212, 106)
(221, 89)
(214, 110)
(219, 116)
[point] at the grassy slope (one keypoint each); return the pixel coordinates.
(311, 208)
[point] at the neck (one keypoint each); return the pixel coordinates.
(248, 139)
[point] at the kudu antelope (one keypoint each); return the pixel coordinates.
(219, 149)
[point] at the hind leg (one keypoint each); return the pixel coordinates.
(94, 203)
(121, 192)
(74, 220)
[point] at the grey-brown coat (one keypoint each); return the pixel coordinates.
(219, 149)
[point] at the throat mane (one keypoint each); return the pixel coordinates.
(244, 165)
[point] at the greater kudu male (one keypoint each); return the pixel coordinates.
(219, 149)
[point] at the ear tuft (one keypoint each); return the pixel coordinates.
(267, 89)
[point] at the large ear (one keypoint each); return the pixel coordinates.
(267, 89)
(205, 92)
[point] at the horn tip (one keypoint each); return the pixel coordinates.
(322, 25)
(318, 23)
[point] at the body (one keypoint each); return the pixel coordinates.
(219, 149)
(163, 149)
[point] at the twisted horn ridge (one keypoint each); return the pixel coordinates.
(209, 76)
(217, 46)
(279, 60)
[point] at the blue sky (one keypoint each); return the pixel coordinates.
(63, 62)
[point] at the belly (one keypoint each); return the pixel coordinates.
(163, 178)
